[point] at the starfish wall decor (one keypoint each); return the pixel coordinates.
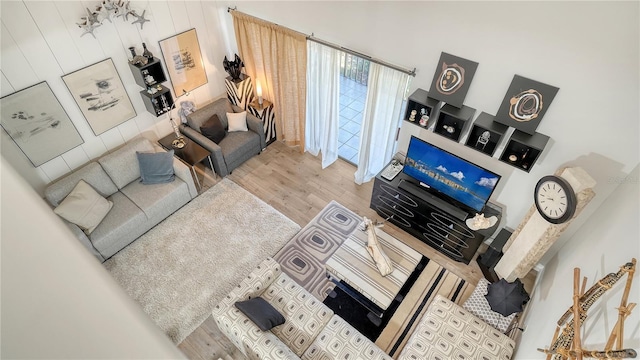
(107, 10)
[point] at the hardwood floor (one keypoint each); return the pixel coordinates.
(296, 185)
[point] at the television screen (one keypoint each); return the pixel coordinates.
(450, 175)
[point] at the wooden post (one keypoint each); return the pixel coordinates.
(577, 345)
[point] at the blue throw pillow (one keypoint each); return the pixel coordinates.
(261, 313)
(156, 168)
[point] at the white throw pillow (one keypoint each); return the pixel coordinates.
(237, 121)
(84, 207)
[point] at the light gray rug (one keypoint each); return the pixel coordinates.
(179, 270)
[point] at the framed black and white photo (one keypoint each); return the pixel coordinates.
(525, 103)
(38, 124)
(452, 79)
(183, 59)
(101, 96)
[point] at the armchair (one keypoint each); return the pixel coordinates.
(236, 147)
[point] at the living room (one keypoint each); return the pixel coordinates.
(567, 51)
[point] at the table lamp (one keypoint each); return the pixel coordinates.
(178, 142)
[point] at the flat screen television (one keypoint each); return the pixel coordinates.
(448, 175)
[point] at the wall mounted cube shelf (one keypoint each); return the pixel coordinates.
(485, 134)
(523, 149)
(420, 100)
(156, 97)
(453, 122)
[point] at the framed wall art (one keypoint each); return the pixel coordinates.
(452, 79)
(38, 124)
(525, 103)
(101, 96)
(183, 59)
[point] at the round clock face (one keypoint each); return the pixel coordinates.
(555, 199)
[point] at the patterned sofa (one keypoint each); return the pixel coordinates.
(313, 331)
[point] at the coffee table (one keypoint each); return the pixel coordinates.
(354, 271)
(191, 154)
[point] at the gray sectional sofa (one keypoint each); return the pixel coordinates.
(136, 207)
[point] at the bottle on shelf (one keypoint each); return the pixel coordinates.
(146, 53)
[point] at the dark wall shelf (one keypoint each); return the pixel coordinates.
(420, 100)
(453, 122)
(523, 150)
(486, 134)
(156, 97)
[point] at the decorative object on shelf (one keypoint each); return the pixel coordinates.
(146, 53)
(412, 117)
(452, 79)
(100, 95)
(265, 113)
(233, 68)
(450, 129)
(38, 124)
(567, 343)
(483, 139)
(525, 103)
(136, 59)
(424, 119)
(105, 10)
(535, 235)
(480, 222)
(506, 297)
(181, 54)
(423, 105)
(240, 91)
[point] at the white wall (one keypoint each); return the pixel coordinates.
(59, 302)
(608, 240)
(41, 42)
(587, 49)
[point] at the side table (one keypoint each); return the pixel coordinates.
(265, 113)
(191, 154)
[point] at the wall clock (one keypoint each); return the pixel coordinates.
(541, 226)
(555, 199)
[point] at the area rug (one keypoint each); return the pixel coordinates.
(181, 269)
(303, 259)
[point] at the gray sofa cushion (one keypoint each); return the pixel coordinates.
(158, 201)
(91, 173)
(120, 227)
(122, 164)
(156, 168)
(234, 146)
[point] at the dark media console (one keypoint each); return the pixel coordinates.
(431, 199)
(435, 221)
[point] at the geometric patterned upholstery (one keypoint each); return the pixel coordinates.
(478, 305)
(305, 315)
(447, 331)
(339, 340)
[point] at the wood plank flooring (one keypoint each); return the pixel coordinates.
(295, 184)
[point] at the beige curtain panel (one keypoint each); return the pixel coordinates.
(276, 57)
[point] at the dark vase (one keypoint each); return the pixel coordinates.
(146, 53)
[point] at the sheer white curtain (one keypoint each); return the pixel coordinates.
(323, 96)
(385, 93)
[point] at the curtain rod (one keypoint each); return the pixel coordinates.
(364, 56)
(349, 51)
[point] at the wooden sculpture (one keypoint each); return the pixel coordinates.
(383, 263)
(566, 343)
